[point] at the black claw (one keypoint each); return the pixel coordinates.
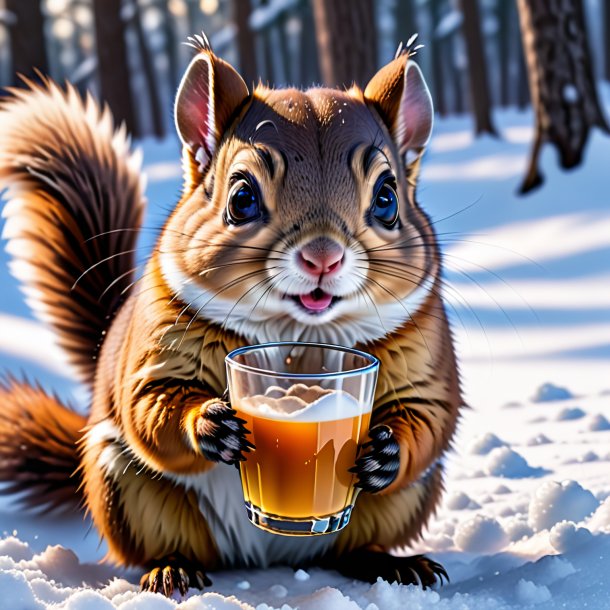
(379, 466)
(382, 433)
(222, 435)
(171, 576)
(369, 565)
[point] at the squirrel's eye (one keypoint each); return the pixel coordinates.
(384, 208)
(243, 204)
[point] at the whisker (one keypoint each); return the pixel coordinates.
(397, 299)
(100, 262)
(222, 289)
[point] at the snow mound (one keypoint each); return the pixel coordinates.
(15, 548)
(570, 413)
(539, 439)
(588, 456)
(480, 534)
(483, 444)
(566, 536)
(505, 462)
(517, 528)
(548, 392)
(554, 502)
(598, 423)
(600, 520)
(530, 594)
(460, 501)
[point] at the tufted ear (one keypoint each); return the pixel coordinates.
(401, 96)
(209, 94)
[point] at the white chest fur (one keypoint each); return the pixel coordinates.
(239, 542)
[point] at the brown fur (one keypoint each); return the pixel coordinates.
(38, 447)
(75, 204)
(162, 358)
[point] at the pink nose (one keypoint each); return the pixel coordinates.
(321, 255)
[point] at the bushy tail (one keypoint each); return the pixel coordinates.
(74, 208)
(38, 447)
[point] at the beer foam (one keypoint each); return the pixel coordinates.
(302, 403)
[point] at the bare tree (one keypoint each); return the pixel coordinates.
(113, 65)
(133, 16)
(406, 22)
(561, 81)
(245, 41)
(504, 15)
(480, 101)
(606, 39)
(309, 68)
(28, 50)
(347, 41)
(438, 45)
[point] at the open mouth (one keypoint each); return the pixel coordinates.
(315, 302)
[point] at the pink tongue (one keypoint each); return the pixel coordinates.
(319, 302)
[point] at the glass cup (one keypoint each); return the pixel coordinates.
(308, 408)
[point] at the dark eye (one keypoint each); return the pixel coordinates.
(384, 208)
(243, 204)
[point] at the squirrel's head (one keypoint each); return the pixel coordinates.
(298, 219)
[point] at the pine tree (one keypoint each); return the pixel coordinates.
(28, 50)
(561, 81)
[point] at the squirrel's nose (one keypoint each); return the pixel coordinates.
(321, 255)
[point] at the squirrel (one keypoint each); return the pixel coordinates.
(298, 221)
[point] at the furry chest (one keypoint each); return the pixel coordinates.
(220, 497)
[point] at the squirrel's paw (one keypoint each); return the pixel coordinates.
(378, 466)
(221, 434)
(173, 574)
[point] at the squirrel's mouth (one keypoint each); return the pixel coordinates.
(315, 302)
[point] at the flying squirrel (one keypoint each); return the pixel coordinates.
(298, 221)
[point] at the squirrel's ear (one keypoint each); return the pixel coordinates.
(400, 94)
(210, 92)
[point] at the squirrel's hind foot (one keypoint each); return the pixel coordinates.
(366, 565)
(173, 573)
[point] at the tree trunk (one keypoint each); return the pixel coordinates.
(523, 91)
(347, 41)
(406, 22)
(504, 14)
(606, 39)
(438, 44)
(245, 41)
(28, 50)
(477, 68)
(308, 60)
(113, 67)
(150, 76)
(171, 46)
(561, 81)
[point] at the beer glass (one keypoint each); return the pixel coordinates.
(308, 408)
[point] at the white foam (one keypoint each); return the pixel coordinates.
(302, 403)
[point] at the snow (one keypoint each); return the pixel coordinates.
(570, 413)
(566, 536)
(555, 501)
(480, 534)
(528, 593)
(483, 444)
(526, 515)
(505, 462)
(549, 392)
(598, 423)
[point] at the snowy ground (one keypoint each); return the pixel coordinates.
(526, 518)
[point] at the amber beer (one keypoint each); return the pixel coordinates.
(307, 408)
(301, 469)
